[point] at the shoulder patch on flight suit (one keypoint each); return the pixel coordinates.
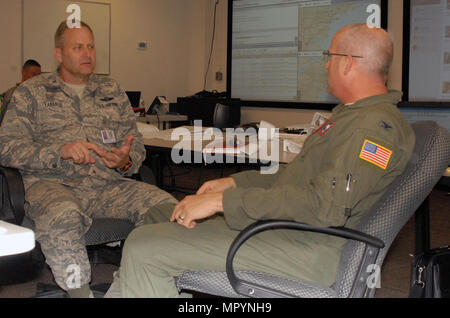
(375, 154)
(324, 128)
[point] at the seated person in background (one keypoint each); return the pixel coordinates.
(73, 137)
(333, 182)
(30, 69)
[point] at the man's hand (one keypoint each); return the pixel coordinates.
(80, 152)
(218, 185)
(197, 207)
(118, 157)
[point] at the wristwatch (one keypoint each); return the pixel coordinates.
(127, 166)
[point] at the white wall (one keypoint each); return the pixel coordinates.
(173, 65)
(179, 34)
(219, 56)
(10, 43)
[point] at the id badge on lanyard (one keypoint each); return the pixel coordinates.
(108, 137)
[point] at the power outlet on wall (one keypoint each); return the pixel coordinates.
(142, 45)
(219, 76)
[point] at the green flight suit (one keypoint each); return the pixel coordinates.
(332, 182)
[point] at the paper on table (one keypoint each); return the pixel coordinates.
(231, 147)
(147, 130)
(292, 146)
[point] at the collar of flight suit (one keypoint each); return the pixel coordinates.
(391, 97)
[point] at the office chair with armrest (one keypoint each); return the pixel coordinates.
(366, 247)
(102, 230)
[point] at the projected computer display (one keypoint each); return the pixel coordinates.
(428, 32)
(275, 47)
(426, 61)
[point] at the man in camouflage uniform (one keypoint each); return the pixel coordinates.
(74, 138)
(343, 169)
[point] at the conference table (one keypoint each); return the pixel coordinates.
(197, 145)
(161, 118)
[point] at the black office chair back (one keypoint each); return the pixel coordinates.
(134, 97)
(429, 160)
(386, 218)
(12, 196)
(222, 116)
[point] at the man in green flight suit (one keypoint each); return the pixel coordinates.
(343, 169)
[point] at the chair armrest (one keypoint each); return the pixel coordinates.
(15, 192)
(254, 290)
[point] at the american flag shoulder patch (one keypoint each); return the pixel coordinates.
(375, 154)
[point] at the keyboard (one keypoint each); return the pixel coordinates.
(295, 131)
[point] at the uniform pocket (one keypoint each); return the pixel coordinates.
(334, 198)
(55, 122)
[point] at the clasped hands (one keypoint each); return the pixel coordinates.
(80, 153)
(205, 203)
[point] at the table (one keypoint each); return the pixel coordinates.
(164, 118)
(169, 139)
(15, 239)
(173, 142)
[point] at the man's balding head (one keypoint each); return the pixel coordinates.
(359, 62)
(374, 44)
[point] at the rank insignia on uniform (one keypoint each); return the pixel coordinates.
(375, 154)
(325, 127)
(385, 125)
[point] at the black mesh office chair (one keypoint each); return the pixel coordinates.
(102, 230)
(366, 247)
(223, 116)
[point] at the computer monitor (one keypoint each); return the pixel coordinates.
(134, 97)
(426, 61)
(426, 52)
(275, 48)
(223, 116)
(440, 115)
